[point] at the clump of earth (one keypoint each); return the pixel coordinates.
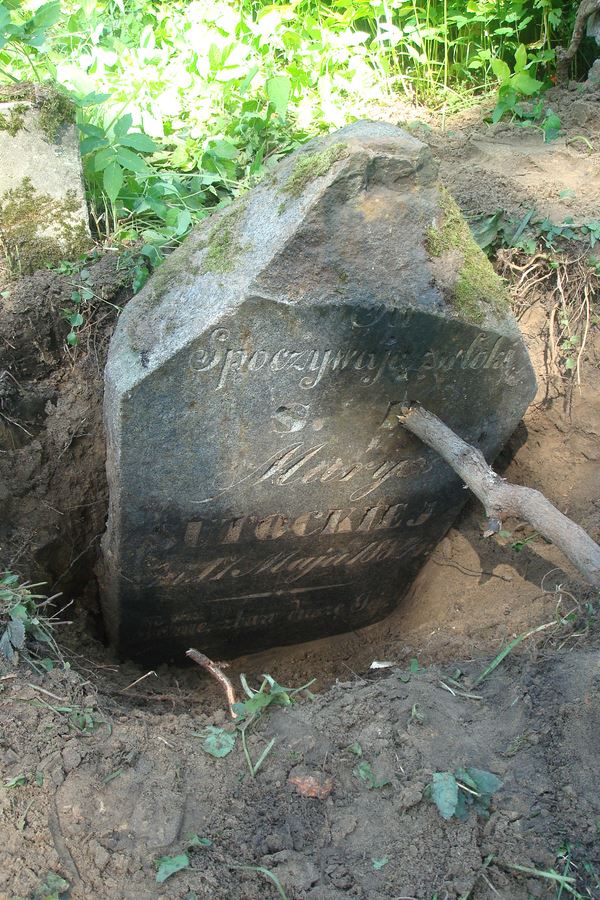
(114, 776)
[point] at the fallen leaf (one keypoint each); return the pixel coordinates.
(168, 865)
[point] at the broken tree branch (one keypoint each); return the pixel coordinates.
(502, 500)
(564, 57)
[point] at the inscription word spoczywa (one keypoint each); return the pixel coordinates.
(261, 490)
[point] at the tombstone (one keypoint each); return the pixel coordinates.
(261, 490)
(43, 211)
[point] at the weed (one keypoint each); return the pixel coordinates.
(570, 858)
(170, 131)
(248, 712)
(364, 773)
(508, 649)
(17, 781)
(219, 742)
(564, 882)
(216, 741)
(167, 866)
(518, 743)
(518, 546)
(25, 629)
(267, 873)
(54, 887)
(416, 716)
(520, 84)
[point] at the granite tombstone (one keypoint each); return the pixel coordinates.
(261, 491)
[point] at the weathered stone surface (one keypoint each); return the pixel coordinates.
(261, 491)
(43, 211)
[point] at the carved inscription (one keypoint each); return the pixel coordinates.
(187, 623)
(288, 566)
(304, 464)
(349, 520)
(227, 363)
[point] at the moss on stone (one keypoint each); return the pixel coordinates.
(14, 119)
(476, 283)
(56, 110)
(224, 245)
(37, 230)
(312, 165)
(54, 107)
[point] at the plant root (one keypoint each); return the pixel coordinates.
(217, 674)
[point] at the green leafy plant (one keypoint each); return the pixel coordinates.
(519, 86)
(455, 793)
(565, 883)
(24, 34)
(54, 887)
(16, 781)
(25, 629)
(364, 772)
(216, 741)
(84, 295)
(266, 873)
(219, 742)
(248, 711)
(515, 85)
(183, 108)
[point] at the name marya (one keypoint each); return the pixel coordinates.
(228, 363)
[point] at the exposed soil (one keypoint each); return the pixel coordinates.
(124, 777)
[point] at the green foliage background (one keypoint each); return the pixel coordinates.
(182, 105)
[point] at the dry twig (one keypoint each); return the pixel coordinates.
(216, 673)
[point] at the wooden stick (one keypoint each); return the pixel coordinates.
(502, 500)
(216, 673)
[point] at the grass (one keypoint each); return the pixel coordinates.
(578, 613)
(565, 883)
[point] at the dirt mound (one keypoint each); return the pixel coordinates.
(110, 789)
